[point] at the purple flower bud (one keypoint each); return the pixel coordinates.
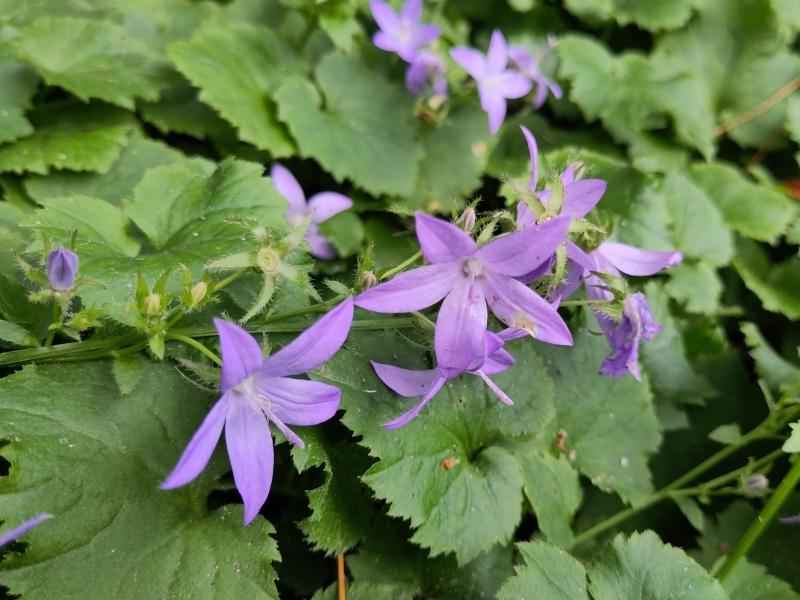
(62, 266)
(467, 219)
(368, 280)
(756, 484)
(426, 71)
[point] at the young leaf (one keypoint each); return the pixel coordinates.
(548, 572)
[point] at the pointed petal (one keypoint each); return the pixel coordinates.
(406, 417)
(406, 382)
(512, 85)
(200, 448)
(413, 290)
(299, 401)
(324, 205)
(458, 339)
(320, 247)
(425, 34)
(442, 241)
(384, 41)
(412, 10)
(525, 216)
(23, 528)
(384, 16)
(288, 187)
(635, 261)
(493, 386)
(314, 346)
(520, 307)
(497, 56)
(472, 61)
(250, 451)
(241, 354)
(498, 361)
(521, 252)
(576, 254)
(494, 104)
(533, 150)
(582, 196)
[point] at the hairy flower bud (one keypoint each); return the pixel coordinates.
(268, 260)
(199, 292)
(368, 280)
(152, 304)
(62, 266)
(467, 219)
(756, 484)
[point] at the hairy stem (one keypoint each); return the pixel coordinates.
(407, 262)
(196, 345)
(55, 319)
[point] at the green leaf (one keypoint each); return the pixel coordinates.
(654, 16)
(455, 458)
(79, 137)
(345, 231)
(553, 489)
(178, 110)
(643, 567)
(792, 445)
(116, 184)
(749, 581)
(776, 371)
(116, 449)
(16, 334)
(610, 423)
(91, 59)
(238, 67)
(776, 284)
(727, 434)
(19, 84)
(548, 572)
(756, 211)
(349, 111)
(691, 510)
(697, 286)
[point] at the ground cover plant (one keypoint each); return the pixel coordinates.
(365, 299)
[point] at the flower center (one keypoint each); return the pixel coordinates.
(296, 219)
(246, 390)
(473, 268)
(268, 260)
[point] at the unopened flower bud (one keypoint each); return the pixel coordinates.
(756, 484)
(368, 280)
(199, 292)
(62, 266)
(152, 304)
(467, 219)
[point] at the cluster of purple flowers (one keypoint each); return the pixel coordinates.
(498, 81)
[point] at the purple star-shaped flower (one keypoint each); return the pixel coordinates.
(426, 70)
(257, 391)
(402, 33)
(22, 529)
(469, 277)
(636, 324)
(62, 266)
(529, 64)
(426, 384)
(321, 207)
(496, 83)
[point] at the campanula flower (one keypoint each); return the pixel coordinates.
(467, 278)
(402, 33)
(529, 64)
(637, 324)
(496, 83)
(22, 529)
(426, 71)
(62, 266)
(426, 384)
(320, 207)
(257, 391)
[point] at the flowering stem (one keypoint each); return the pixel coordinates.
(394, 270)
(197, 345)
(340, 580)
(740, 119)
(760, 523)
(54, 320)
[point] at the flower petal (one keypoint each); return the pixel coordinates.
(299, 401)
(472, 61)
(533, 150)
(288, 187)
(23, 528)
(314, 346)
(498, 361)
(497, 56)
(494, 104)
(406, 382)
(412, 290)
(582, 196)
(576, 254)
(458, 339)
(512, 85)
(425, 34)
(251, 454)
(320, 247)
(520, 307)
(200, 448)
(441, 241)
(521, 252)
(241, 354)
(412, 10)
(324, 205)
(406, 417)
(635, 261)
(384, 16)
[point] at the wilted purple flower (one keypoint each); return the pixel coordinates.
(411, 383)
(496, 83)
(468, 278)
(62, 266)
(529, 64)
(402, 33)
(22, 529)
(426, 70)
(321, 207)
(636, 324)
(257, 391)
